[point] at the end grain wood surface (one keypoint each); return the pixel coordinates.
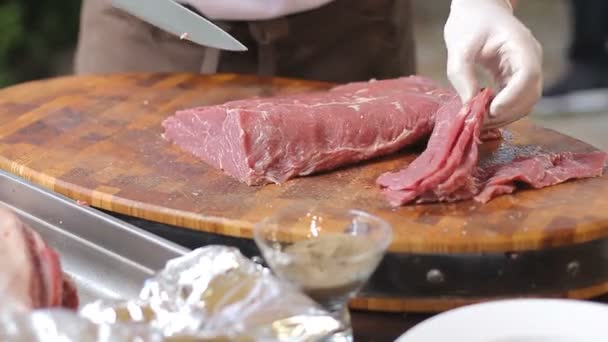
(98, 139)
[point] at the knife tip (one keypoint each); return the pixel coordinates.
(240, 47)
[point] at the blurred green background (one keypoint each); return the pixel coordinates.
(36, 38)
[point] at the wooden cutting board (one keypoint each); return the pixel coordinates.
(98, 139)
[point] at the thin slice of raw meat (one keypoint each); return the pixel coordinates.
(448, 171)
(449, 159)
(541, 171)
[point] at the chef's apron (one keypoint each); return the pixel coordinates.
(344, 41)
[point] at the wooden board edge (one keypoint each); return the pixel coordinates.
(243, 229)
(437, 305)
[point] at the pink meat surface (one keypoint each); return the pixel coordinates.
(448, 170)
(271, 140)
(31, 271)
(539, 171)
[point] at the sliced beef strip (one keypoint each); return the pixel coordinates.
(540, 171)
(449, 159)
(448, 170)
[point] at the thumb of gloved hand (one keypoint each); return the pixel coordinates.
(486, 33)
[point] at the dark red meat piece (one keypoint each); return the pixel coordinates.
(31, 271)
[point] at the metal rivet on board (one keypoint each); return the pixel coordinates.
(512, 255)
(573, 267)
(435, 276)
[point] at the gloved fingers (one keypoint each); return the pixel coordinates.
(461, 72)
(516, 67)
(463, 45)
(517, 98)
(462, 76)
(494, 60)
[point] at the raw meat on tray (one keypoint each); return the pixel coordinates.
(32, 276)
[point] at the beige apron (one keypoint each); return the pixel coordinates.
(347, 40)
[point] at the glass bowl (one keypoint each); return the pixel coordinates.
(328, 253)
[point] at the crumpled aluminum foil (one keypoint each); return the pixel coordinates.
(213, 293)
(62, 325)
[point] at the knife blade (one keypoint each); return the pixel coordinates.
(180, 21)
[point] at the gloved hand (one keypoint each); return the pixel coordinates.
(250, 10)
(486, 32)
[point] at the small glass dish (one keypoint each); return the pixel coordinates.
(327, 253)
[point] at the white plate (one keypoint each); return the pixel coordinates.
(518, 320)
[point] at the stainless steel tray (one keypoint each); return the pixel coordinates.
(107, 258)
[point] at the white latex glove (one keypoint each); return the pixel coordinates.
(486, 32)
(250, 10)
